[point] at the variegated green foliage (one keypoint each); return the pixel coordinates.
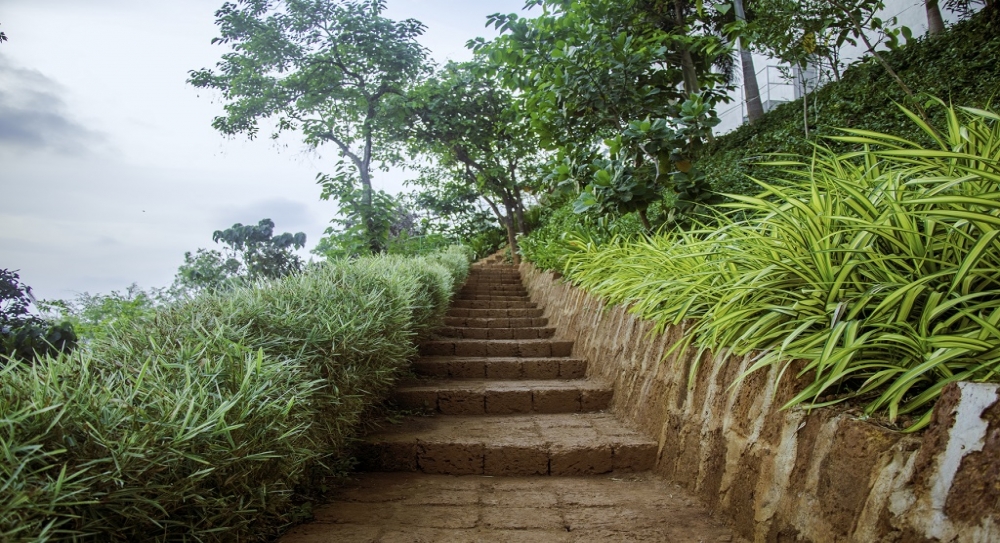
(878, 269)
(217, 418)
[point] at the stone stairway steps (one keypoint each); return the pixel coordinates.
(492, 304)
(551, 444)
(494, 313)
(509, 398)
(492, 397)
(517, 447)
(490, 298)
(468, 332)
(503, 322)
(501, 367)
(523, 348)
(493, 287)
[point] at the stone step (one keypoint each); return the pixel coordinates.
(486, 304)
(520, 348)
(481, 282)
(489, 288)
(494, 313)
(465, 332)
(496, 323)
(491, 298)
(491, 397)
(554, 444)
(486, 295)
(500, 368)
(414, 507)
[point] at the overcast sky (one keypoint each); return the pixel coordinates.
(109, 167)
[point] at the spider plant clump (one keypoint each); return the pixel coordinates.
(878, 270)
(215, 419)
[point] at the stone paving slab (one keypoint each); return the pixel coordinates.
(469, 332)
(487, 396)
(399, 507)
(496, 323)
(501, 367)
(521, 348)
(509, 445)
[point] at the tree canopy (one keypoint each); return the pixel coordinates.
(251, 253)
(323, 68)
(464, 119)
(620, 91)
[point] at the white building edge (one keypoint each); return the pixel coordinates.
(776, 88)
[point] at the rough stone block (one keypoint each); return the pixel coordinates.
(467, 369)
(501, 348)
(503, 369)
(470, 348)
(535, 349)
(460, 402)
(562, 348)
(451, 458)
(572, 369)
(580, 459)
(507, 401)
(513, 460)
(541, 369)
(634, 457)
(556, 400)
(595, 399)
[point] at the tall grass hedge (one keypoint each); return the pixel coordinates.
(218, 418)
(873, 274)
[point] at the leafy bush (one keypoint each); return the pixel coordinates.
(92, 315)
(251, 253)
(876, 268)
(213, 419)
(548, 245)
(24, 335)
(958, 65)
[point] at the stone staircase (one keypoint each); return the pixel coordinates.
(509, 399)
(515, 445)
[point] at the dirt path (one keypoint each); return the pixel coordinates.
(519, 449)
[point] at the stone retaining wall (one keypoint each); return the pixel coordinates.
(787, 475)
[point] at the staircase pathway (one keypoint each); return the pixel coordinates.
(519, 447)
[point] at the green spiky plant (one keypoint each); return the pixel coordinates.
(215, 419)
(878, 270)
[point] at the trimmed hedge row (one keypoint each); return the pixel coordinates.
(217, 418)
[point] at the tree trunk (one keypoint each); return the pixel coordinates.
(367, 213)
(508, 224)
(755, 109)
(645, 221)
(935, 23)
(691, 85)
(805, 102)
(882, 62)
(519, 211)
(364, 171)
(511, 233)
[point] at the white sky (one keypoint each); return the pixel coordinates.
(109, 167)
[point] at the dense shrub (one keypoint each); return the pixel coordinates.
(959, 66)
(877, 269)
(23, 334)
(212, 419)
(547, 245)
